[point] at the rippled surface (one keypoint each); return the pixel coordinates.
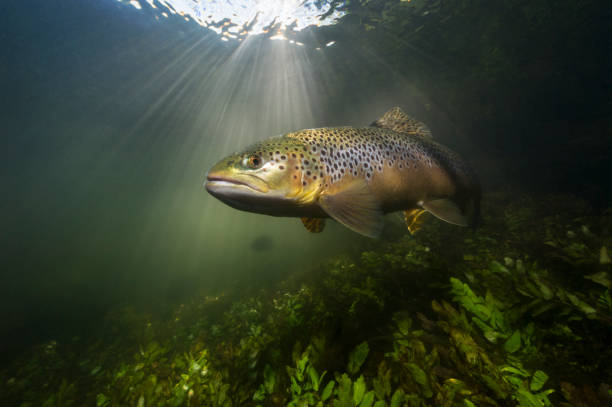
(239, 19)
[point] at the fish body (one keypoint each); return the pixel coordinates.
(353, 175)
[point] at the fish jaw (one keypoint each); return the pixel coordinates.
(248, 192)
(234, 188)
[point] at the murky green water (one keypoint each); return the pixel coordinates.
(125, 283)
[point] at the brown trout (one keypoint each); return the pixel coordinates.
(353, 175)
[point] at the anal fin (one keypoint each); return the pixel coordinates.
(413, 219)
(314, 225)
(446, 210)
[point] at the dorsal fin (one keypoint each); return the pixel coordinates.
(395, 119)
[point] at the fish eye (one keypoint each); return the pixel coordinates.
(253, 161)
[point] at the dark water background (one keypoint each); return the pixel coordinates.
(109, 120)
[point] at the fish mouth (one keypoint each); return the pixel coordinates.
(218, 184)
(249, 193)
(236, 192)
(217, 181)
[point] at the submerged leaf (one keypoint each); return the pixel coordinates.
(514, 342)
(359, 388)
(269, 379)
(314, 378)
(382, 383)
(102, 400)
(600, 278)
(357, 357)
(527, 399)
(295, 387)
(497, 267)
(515, 370)
(327, 391)
(583, 306)
(368, 399)
(301, 366)
(420, 377)
(538, 380)
(345, 390)
(398, 398)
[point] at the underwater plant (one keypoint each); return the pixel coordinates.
(395, 324)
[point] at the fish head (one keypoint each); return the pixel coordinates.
(263, 179)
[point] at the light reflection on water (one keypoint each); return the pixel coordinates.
(239, 19)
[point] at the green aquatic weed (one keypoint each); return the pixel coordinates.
(513, 343)
(306, 382)
(487, 315)
(526, 385)
(538, 380)
(382, 382)
(606, 300)
(354, 393)
(64, 397)
(357, 357)
(102, 400)
(344, 392)
(487, 351)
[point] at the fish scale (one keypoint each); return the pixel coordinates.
(361, 152)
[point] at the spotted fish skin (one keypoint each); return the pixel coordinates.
(353, 175)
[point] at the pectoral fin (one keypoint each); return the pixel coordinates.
(314, 225)
(446, 210)
(355, 207)
(413, 219)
